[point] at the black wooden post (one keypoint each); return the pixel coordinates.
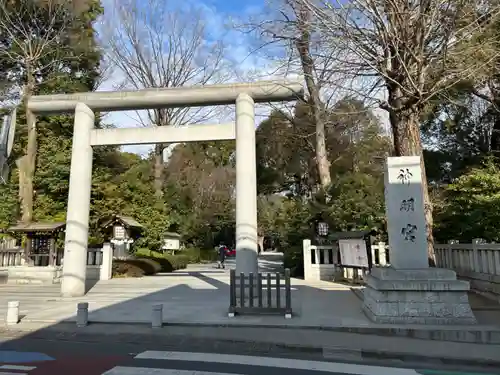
(269, 304)
(232, 291)
(250, 291)
(259, 288)
(242, 289)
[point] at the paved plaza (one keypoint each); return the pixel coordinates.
(200, 295)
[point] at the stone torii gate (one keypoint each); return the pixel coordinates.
(85, 137)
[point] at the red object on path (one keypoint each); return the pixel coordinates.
(230, 252)
(77, 365)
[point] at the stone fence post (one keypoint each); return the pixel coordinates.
(306, 249)
(106, 270)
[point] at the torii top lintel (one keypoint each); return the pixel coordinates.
(197, 96)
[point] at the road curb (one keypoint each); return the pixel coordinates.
(463, 334)
(484, 335)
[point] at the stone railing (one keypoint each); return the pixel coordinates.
(10, 254)
(11, 257)
(477, 262)
(321, 262)
(99, 266)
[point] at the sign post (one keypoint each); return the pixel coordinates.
(354, 253)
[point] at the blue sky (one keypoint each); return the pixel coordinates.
(234, 7)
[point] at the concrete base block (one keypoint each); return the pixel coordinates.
(32, 275)
(429, 296)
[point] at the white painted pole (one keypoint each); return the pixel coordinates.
(157, 316)
(106, 269)
(12, 313)
(246, 187)
(77, 218)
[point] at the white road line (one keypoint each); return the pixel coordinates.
(121, 370)
(275, 362)
(13, 373)
(17, 367)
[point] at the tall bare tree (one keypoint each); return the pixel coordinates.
(154, 43)
(35, 38)
(414, 50)
(287, 25)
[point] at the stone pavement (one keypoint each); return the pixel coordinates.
(196, 295)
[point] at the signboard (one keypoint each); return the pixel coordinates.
(118, 232)
(353, 253)
(171, 244)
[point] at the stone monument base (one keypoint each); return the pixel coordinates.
(426, 296)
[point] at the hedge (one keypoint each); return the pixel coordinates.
(148, 265)
(125, 268)
(196, 255)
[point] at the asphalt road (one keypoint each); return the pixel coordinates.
(186, 356)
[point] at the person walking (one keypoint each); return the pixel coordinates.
(222, 256)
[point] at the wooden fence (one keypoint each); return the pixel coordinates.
(256, 294)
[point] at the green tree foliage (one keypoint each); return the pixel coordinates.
(470, 206)
(77, 57)
(288, 182)
(199, 191)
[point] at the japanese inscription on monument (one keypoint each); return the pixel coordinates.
(405, 213)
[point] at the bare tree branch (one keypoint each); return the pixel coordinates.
(153, 43)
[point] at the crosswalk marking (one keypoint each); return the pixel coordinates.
(121, 370)
(345, 368)
(17, 367)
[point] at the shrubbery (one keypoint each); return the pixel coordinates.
(196, 255)
(126, 268)
(149, 263)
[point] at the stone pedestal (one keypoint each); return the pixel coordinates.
(426, 296)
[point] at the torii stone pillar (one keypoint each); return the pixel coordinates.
(77, 219)
(246, 187)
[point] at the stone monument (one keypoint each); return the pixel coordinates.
(409, 291)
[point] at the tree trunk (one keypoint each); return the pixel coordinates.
(158, 171)
(303, 44)
(495, 132)
(27, 163)
(321, 154)
(406, 131)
